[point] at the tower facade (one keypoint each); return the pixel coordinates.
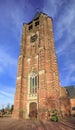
(37, 85)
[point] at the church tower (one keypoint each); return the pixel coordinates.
(37, 85)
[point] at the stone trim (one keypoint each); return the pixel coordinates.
(42, 72)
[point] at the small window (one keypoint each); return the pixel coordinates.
(37, 23)
(73, 108)
(30, 27)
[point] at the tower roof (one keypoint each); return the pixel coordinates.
(36, 15)
(71, 91)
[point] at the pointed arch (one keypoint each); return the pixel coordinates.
(33, 82)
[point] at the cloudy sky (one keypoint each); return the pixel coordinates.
(13, 13)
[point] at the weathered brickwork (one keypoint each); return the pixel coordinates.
(37, 57)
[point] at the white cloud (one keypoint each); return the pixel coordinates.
(6, 61)
(69, 74)
(5, 94)
(66, 21)
(7, 90)
(52, 6)
(64, 45)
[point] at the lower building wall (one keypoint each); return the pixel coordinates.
(72, 101)
(61, 105)
(65, 103)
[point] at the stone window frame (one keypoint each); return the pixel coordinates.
(32, 82)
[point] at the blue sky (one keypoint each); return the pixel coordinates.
(13, 13)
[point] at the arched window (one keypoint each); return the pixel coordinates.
(33, 83)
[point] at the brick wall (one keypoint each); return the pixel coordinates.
(38, 57)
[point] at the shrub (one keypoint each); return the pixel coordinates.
(54, 118)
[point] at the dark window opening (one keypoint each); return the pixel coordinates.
(73, 108)
(37, 23)
(30, 27)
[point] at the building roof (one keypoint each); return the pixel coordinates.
(36, 15)
(71, 91)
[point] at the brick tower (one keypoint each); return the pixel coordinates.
(37, 85)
